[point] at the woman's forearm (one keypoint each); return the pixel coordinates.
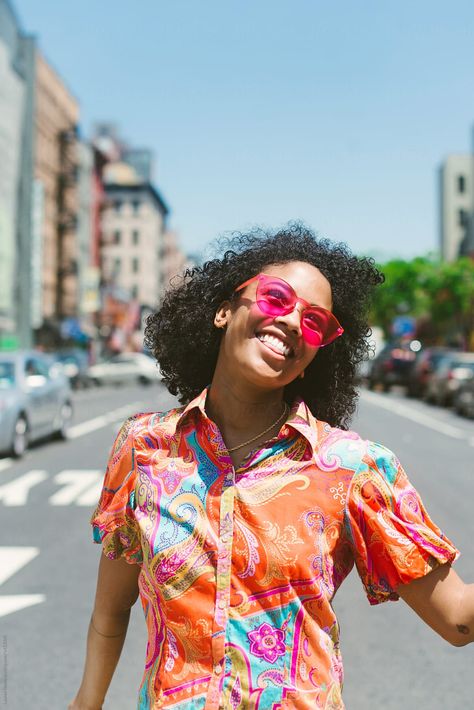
(444, 602)
(105, 639)
(465, 618)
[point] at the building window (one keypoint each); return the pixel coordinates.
(461, 183)
(135, 236)
(462, 218)
(135, 265)
(134, 291)
(135, 206)
(117, 236)
(118, 205)
(117, 265)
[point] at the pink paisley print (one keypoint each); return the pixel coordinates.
(238, 569)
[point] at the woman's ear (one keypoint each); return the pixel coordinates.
(222, 315)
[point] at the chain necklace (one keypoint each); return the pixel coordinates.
(282, 416)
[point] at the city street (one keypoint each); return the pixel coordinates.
(48, 562)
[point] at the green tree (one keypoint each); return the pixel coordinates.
(403, 292)
(440, 295)
(452, 301)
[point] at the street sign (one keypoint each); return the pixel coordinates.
(403, 326)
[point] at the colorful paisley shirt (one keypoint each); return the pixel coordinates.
(239, 567)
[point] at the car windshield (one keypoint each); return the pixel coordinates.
(7, 375)
(436, 357)
(462, 363)
(67, 359)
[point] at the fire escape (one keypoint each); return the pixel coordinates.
(66, 256)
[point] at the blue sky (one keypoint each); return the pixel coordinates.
(261, 111)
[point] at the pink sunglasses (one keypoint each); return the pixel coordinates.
(276, 297)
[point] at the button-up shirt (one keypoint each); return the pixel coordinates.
(239, 567)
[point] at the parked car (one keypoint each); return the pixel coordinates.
(463, 400)
(76, 366)
(35, 400)
(125, 368)
(423, 368)
(451, 371)
(392, 366)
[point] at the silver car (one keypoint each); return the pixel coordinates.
(125, 368)
(35, 400)
(451, 371)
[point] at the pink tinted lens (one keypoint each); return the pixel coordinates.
(319, 327)
(275, 297)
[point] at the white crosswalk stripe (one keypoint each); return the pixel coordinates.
(16, 492)
(76, 483)
(81, 487)
(12, 559)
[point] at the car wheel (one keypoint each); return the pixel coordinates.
(142, 380)
(20, 438)
(65, 418)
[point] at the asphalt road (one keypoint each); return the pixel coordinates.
(48, 563)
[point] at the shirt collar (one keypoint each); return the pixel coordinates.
(300, 417)
(198, 402)
(302, 420)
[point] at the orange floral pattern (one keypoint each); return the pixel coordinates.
(239, 568)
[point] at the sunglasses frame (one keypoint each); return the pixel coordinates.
(305, 330)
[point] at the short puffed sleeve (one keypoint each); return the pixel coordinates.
(113, 521)
(394, 541)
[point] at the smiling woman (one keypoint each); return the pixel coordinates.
(344, 282)
(239, 514)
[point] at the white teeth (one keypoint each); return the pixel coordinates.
(276, 343)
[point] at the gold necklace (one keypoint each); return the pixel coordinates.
(282, 415)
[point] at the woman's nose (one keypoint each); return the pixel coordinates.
(292, 319)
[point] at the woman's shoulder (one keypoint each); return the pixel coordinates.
(146, 424)
(355, 451)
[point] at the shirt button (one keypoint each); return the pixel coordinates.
(222, 604)
(218, 668)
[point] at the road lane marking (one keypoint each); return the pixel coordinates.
(103, 420)
(15, 602)
(76, 483)
(408, 412)
(12, 559)
(16, 492)
(90, 425)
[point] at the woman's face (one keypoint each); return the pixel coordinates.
(247, 353)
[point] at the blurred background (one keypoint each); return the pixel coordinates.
(131, 136)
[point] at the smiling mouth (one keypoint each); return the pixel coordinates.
(275, 344)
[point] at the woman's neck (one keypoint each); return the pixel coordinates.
(241, 411)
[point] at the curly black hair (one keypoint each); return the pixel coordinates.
(183, 338)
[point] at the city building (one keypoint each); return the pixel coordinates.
(133, 227)
(455, 203)
(173, 259)
(38, 192)
(139, 254)
(91, 195)
(17, 57)
(55, 178)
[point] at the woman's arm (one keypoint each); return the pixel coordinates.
(117, 591)
(444, 602)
